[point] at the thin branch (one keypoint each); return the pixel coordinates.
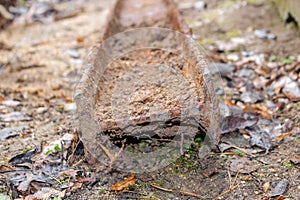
(235, 178)
(114, 158)
(225, 192)
(240, 149)
(106, 151)
(175, 191)
(246, 152)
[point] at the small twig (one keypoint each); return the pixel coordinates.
(15, 170)
(116, 156)
(161, 188)
(229, 177)
(78, 163)
(112, 158)
(246, 152)
(225, 192)
(174, 191)
(143, 196)
(235, 178)
(5, 14)
(54, 178)
(181, 145)
(133, 192)
(163, 140)
(240, 149)
(191, 194)
(148, 198)
(224, 153)
(106, 151)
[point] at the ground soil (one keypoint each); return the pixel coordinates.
(37, 70)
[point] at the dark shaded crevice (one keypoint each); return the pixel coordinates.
(291, 19)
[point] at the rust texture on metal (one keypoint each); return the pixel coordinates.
(110, 92)
(128, 14)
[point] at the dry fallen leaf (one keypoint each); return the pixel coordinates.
(46, 193)
(281, 197)
(232, 123)
(123, 184)
(283, 135)
(263, 111)
(2, 99)
(6, 168)
(295, 159)
(243, 165)
(80, 39)
(229, 102)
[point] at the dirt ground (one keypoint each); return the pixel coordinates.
(40, 64)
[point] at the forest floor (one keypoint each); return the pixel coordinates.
(40, 64)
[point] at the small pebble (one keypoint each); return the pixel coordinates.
(70, 107)
(41, 110)
(233, 57)
(220, 92)
(11, 103)
(200, 5)
(73, 53)
(264, 34)
(256, 192)
(280, 188)
(247, 53)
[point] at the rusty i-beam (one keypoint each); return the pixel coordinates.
(145, 79)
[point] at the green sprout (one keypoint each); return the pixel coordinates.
(56, 149)
(287, 61)
(273, 58)
(238, 153)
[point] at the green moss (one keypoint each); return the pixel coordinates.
(130, 149)
(174, 171)
(142, 146)
(288, 165)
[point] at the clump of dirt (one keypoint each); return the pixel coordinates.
(145, 85)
